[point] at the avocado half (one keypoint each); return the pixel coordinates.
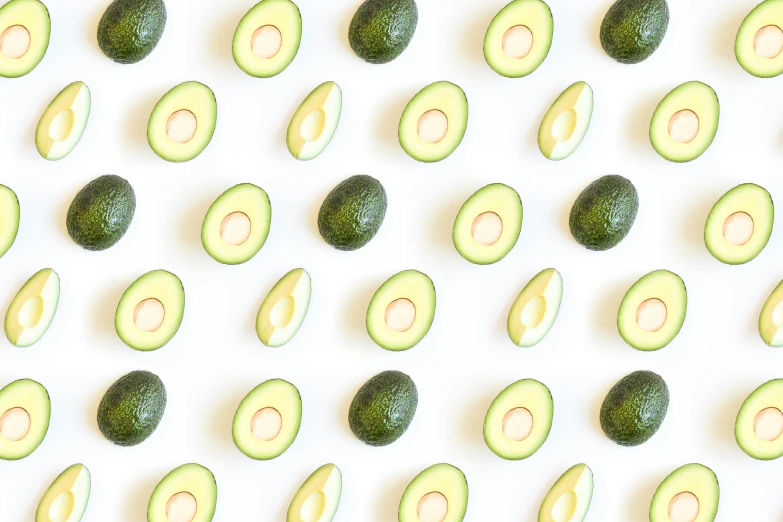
(535, 309)
(284, 309)
(32, 310)
(519, 420)
(315, 122)
(690, 492)
(570, 495)
(519, 37)
(740, 224)
(63, 122)
(267, 38)
(319, 497)
(187, 493)
(25, 28)
(770, 324)
(759, 424)
(10, 214)
(25, 410)
(566, 122)
(67, 497)
(440, 492)
(759, 43)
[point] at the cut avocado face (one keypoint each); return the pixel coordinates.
(32, 310)
(437, 494)
(9, 218)
(759, 423)
(740, 224)
(24, 36)
(566, 122)
(183, 121)
(685, 122)
(519, 38)
(67, 497)
(187, 494)
(771, 318)
(434, 122)
(535, 310)
(759, 43)
(315, 121)
(518, 421)
(24, 418)
(401, 311)
(569, 499)
(284, 309)
(150, 311)
(690, 494)
(267, 38)
(267, 420)
(318, 498)
(63, 122)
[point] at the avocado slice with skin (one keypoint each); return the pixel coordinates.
(319, 497)
(635, 408)
(401, 311)
(690, 493)
(352, 213)
(759, 424)
(267, 420)
(535, 309)
(129, 30)
(63, 122)
(10, 213)
(25, 28)
(267, 38)
(381, 30)
(740, 224)
(187, 494)
(437, 494)
(604, 212)
(132, 408)
(383, 408)
(569, 498)
(566, 122)
(632, 30)
(25, 410)
(284, 309)
(769, 318)
(759, 43)
(67, 497)
(519, 420)
(518, 38)
(315, 122)
(32, 310)
(101, 213)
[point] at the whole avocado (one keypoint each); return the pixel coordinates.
(383, 408)
(352, 213)
(132, 408)
(633, 29)
(130, 30)
(101, 212)
(604, 212)
(381, 29)
(634, 408)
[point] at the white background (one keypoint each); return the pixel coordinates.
(467, 358)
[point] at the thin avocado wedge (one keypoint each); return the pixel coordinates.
(381, 30)
(519, 420)
(63, 122)
(319, 497)
(535, 309)
(66, 499)
(759, 424)
(10, 214)
(759, 43)
(566, 122)
(770, 326)
(132, 408)
(691, 492)
(604, 212)
(439, 493)
(25, 28)
(129, 30)
(518, 38)
(635, 408)
(740, 224)
(284, 309)
(32, 310)
(569, 498)
(267, 38)
(188, 494)
(383, 408)
(632, 30)
(315, 121)
(25, 410)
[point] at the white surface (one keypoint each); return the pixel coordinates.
(467, 358)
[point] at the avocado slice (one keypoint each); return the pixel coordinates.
(759, 43)
(25, 409)
(67, 497)
(318, 498)
(569, 498)
(183, 121)
(519, 419)
(267, 420)
(352, 213)
(9, 218)
(267, 38)
(284, 309)
(237, 224)
(132, 408)
(434, 122)
(653, 311)
(381, 30)
(101, 213)
(740, 224)
(519, 37)
(604, 212)
(691, 493)
(401, 311)
(32, 310)
(187, 494)
(632, 30)
(63, 122)
(25, 27)
(760, 422)
(315, 121)
(383, 408)
(437, 494)
(129, 30)
(566, 122)
(535, 309)
(635, 408)
(771, 318)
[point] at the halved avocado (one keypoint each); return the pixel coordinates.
(67, 497)
(63, 122)
(284, 309)
(434, 122)
(653, 311)
(759, 43)
(488, 224)
(519, 38)
(150, 311)
(25, 409)
(691, 493)
(569, 499)
(267, 38)
(183, 121)
(318, 498)
(566, 122)
(437, 494)
(740, 224)
(32, 310)
(24, 36)
(759, 423)
(771, 318)
(519, 419)
(267, 420)
(535, 309)
(685, 122)
(9, 218)
(315, 121)
(187, 494)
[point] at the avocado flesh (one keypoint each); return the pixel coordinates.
(267, 420)
(33, 308)
(519, 420)
(129, 30)
(183, 121)
(25, 27)
(9, 218)
(383, 408)
(315, 121)
(150, 311)
(740, 224)
(381, 30)
(237, 224)
(771, 318)
(267, 38)
(187, 494)
(632, 30)
(566, 122)
(67, 497)
(62, 124)
(319, 497)
(653, 311)
(25, 409)
(284, 309)
(518, 38)
(759, 422)
(569, 498)
(604, 213)
(439, 493)
(760, 40)
(434, 122)
(101, 213)
(535, 309)
(635, 408)
(690, 493)
(401, 311)
(352, 213)
(132, 408)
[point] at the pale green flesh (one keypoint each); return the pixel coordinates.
(699, 481)
(417, 288)
(284, 309)
(569, 499)
(192, 479)
(767, 13)
(32, 310)
(445, 479)
(319, 497)
(9, 218)
(752, 200)
(768, 395)
(63, 122)
(34, 17)
(535, 16)
(33, 398)
(67, 497)
(771, 318)
(566, 122)
(285, 17)
(534, 397)
(315, 122)
(284, 398)
(535, 309)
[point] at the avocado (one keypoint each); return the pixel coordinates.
(401, 311)
(101, 213)
(284, 309)
(535, 309)
(63, 122)
(604, 212)
(132, 408)
(9, 218)
(634, 408)
(31, 312)
(653, 311)
(267, 38)
(352, 213)
(759, 423)
(380, 30)
(488, 224)
(569, 498)
(519, 419)
(383, 408)
(434, 122)
(150, 311)
(633, 29)
(437, 494)
(183, 122)
(566, 122)
(129, 30)
(740, 224)
(519, 37)
(318, 498)
(691, 492)
(25, 28)
(25, 409)
(188, 493)
(769, 322)
(759, 40)
(67, 497)
(315, 122)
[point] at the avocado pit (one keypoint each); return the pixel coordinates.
(148, 315)
(433, 126)
(266, 424)
(400, 315)
(768, 42)
(181, 126)
(738, 228)
(235, 228)
(181, 507)
(684, 126)
(517, 41)
(15, 42)
(15, 424)
(651, 315)
(487, 228)
(266, 41)
(768, 424)
(684, 507)
(433, 507)
(518, 424)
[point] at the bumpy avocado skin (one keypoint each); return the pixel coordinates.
(383, 408)
(633, 29)
(634, 408)
(130, 30)
(381, 29)
(101, 212)
(353, 212)
(604, 212)
(132, 408)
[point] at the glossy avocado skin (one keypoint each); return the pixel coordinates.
(633, 29)
(634, 408)
(604, 212)
(101, 212)
(352, 213)
(381, 29)
(383, 408)
(132, 408)
(130, 30)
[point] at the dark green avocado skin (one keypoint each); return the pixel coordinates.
(383, 408)
(634, 408)
(381, 29)
(130, 30)
(352, 213)
(604, 212)
(633, 29)
(101, 212)
(132, 408)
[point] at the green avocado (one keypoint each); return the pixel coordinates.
(691, 492)
(383, 408)
(604, 212)
(633, 29)
(9, 218)
(101, 212)
(32, 310)
(67, 497)
(267, 38)
(759, 43)
(740, 224)
(132, 408)
(380, 30)
(63, 122)
(535, 309)
(188, 494)
(25, 410)
(352, 213)
(518, 38)
(634, 408)
(759, 423)
(569, 498)
(319, 497)
(25, 28)
(130, 30)
(437, 494)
